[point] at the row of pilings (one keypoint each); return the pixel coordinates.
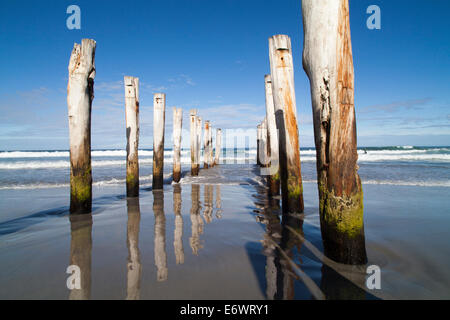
(80, 94)
(328, 63)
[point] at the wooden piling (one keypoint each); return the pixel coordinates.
(258, 144)
(199, 140)
(282, 72)
(264, 159)
(132, 125)
(218, 146)
(177, 124)
(206, 146)
(159, 108)
(272, 138)
(80, 93)
(328, 62)
(194, 143)
(211, 149)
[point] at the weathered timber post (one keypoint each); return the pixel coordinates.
(211, 148)
(160, 236)
(258, 144)
(80, 93)
(263, 157)
(177, 123)
(282, 71)
(272, 138)
(159, 108)
(206, 145)
(194, 142)
(199, 140)
(328, 62)
(218, 146)
(178, 232)
(132, 124)
(134, 267)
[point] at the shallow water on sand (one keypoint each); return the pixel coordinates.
(216, 236)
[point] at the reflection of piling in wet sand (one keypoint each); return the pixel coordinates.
(272, 140)
(207, 212)
(218, 146)
(177, 123)
(81, 253)
(328, 62)
(132, 125)
(273, 233)
(194, 142)
(134, 263)
(159, 106)
(178, 233)
(196, 220)
(80, 93)
(160, 236)
(282, 73)
(218, 203)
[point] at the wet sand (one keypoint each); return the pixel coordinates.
(217, 237)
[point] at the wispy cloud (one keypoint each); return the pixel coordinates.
(397, 105)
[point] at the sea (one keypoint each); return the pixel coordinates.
(396, 165)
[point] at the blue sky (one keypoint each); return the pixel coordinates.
(212, 55)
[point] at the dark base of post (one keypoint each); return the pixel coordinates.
(132, 188)
(81, 193)
(342, 227)
(274, 186)
(176, 176)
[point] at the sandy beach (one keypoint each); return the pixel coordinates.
(202, 240)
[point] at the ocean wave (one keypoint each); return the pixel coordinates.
(143, 182)
(400, 183)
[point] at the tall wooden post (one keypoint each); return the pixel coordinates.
(194, 143)
(328, 62)
(199, 139)
(206, 145)
(218, 146)
(132, 124)
(264, 159)
(282, 71)
(177, 123)
(210, 147)
(80, 93)
(159, 108)
(272, 137)
(258, 144)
